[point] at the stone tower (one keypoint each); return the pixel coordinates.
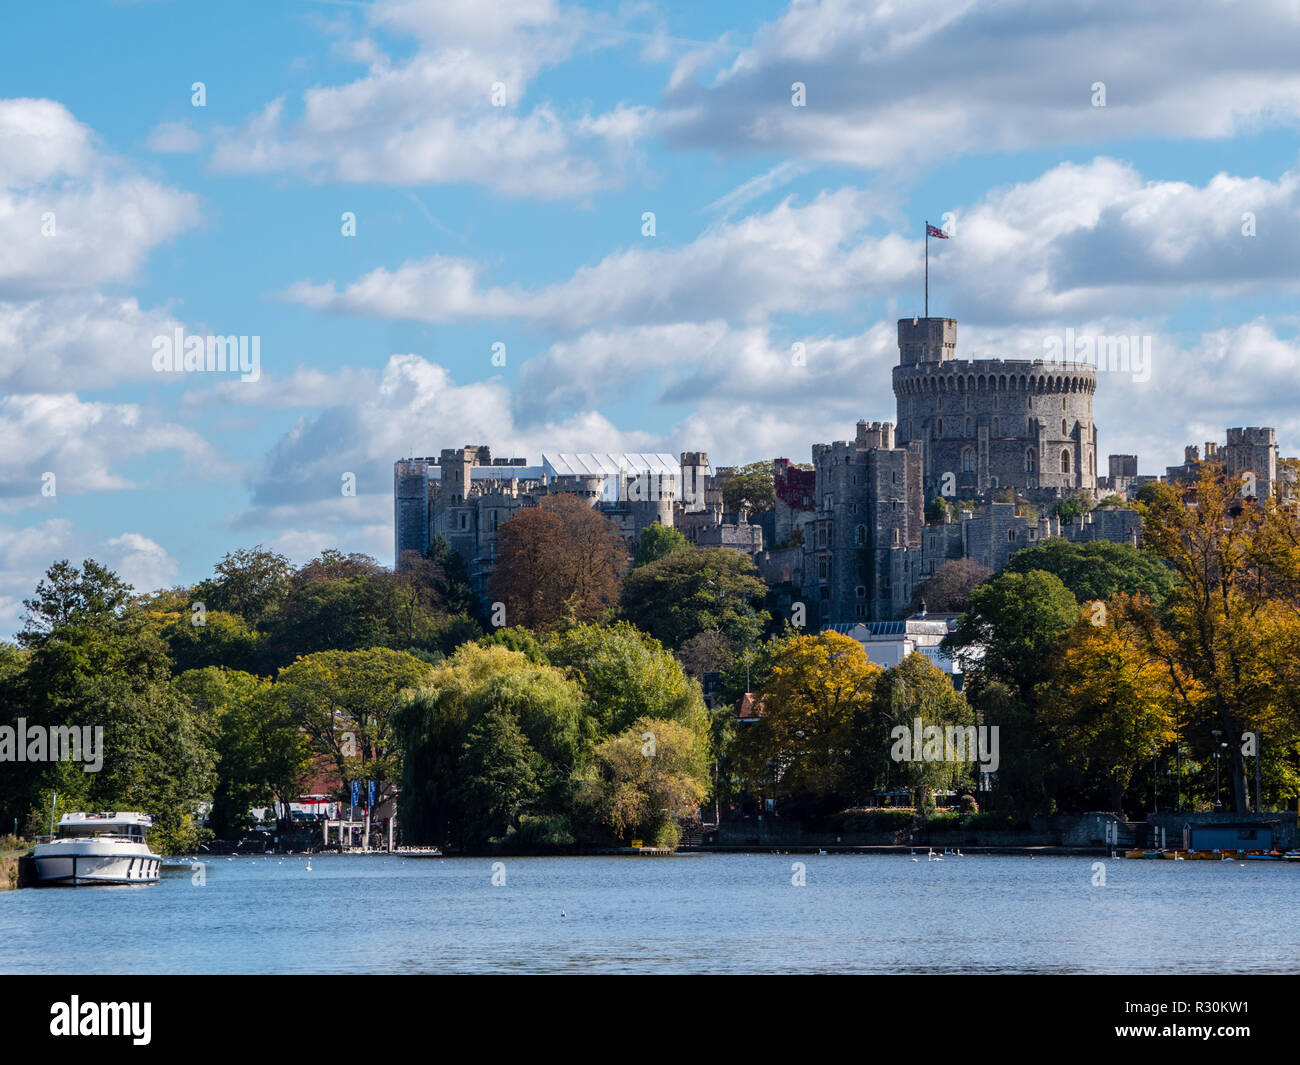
(991, 424)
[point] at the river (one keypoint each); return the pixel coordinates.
(732, 913)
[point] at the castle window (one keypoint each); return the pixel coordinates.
(895, 537)
(993, 483)
(895, 477)
(861, 591)
(861, 536)
(968, 426)
(862, 611)
(1062, 403)
(997, 426)
(940, 428)
(823, 569)
(1065, 462)
(1029, 461)
(941, 402)
(464, 520)
(1064, 431)
(968, 460)
(995, 401)
(1011, 536)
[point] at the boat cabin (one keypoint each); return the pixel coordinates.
(120, 825)
(1228, 836)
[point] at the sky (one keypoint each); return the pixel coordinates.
(642, 226)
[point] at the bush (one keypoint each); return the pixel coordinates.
(869, 819)
(668, 834)
(994, 821)
(969, 805)
(946, 820)
(536, 833)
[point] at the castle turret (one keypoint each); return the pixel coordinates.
(927, 340)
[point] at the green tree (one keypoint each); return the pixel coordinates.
(97, 661)
(1097, 569)
(440, 800)
(498, 779)
(345, 701)
(913, 690)
(752, 486)
(249, 582)
(696, 590)
(656, 541)
(1016, 622)
(627, 675)
(644, 781)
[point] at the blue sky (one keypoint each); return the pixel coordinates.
(521, 224)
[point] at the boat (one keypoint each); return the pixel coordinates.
(104, 848)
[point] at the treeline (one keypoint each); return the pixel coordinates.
(574, 712)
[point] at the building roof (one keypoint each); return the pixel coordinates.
(607, 463)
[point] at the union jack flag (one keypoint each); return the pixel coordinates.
(933, 231)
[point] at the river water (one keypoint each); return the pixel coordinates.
(733, 913)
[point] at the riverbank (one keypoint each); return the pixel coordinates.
(16, 869)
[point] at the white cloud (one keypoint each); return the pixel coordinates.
(81, 444)
(73, 216)
(431, 118)
(174, 138)
(892, 84)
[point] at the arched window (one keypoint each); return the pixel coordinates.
(968, 460)
(968, 427)
(1011, 536)
(940, 427)
(1029, 461)
(861, 535)
(1064, 430)
(1065, 462)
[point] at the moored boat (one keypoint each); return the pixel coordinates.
(104, 848)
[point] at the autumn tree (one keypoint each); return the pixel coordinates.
(560, 559)
(801, 744)
(1109, 702)
(1235, 603)
(950, 586)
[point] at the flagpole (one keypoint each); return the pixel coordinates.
(927, 268)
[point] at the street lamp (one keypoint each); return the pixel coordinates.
(1217, 733)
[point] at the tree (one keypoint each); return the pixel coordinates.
(627, 675)
(753, 487)
(1109, 703)
(1233, 608)
(452, 583)
(498, 778)
(97, 661)
(915, 689)
(949, 588)
(251, 583)
(656, 541)
(696, 590)
(261, 751)
(800, 745)
(560, 559)
(707, 652)
(645, 780)
(332, 564)
(345, 702)
(221, 640)
(443, 797)
(1016, 622)
(1097, 569)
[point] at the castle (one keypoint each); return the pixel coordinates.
(464, 495)
(999, 441)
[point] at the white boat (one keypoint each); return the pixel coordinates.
(106, 848)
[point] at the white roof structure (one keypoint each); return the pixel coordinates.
(607, 463)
